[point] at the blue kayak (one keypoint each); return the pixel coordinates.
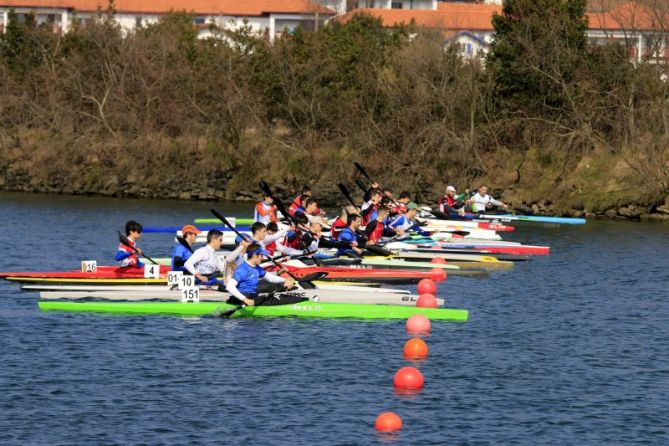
(174, 229)
(535, 219)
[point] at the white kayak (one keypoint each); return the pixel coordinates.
(317, 295)
(159, 288)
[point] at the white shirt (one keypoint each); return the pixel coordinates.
(479, 202)
(206, 261)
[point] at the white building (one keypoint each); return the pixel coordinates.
(265, 17)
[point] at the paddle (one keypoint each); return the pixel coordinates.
(346, 193)
(303, 283)
(124, 240)
(184, 243)
(232, 311)
(363, 171)
(360, 185)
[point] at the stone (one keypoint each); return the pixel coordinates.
(611, 213)
(184, 195)
(663, 209)
(535, 209)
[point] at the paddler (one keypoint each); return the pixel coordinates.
(377, 228)
(369, 208)
(481, 200)
(265, 211)
(128, 256)
(180, 254)
(349, 236)
(340, 222)
(406, 222)
(300, 202)
(401, 203)
(243, 285)
(451, 204)
(205, 263)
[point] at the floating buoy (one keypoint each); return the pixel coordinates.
(427, 286)
(438, 274)
(388, 422)
(408, 378)
(427, 301)
(418, 323)
(439, 260)
(415, 348)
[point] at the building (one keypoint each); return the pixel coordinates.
(265, 17)
(644, 31)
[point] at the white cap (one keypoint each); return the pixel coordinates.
(450, 188)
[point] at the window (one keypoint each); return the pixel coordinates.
(138, 21)
(199, 21)
(396, 5)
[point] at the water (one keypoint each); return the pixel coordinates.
(570, 349)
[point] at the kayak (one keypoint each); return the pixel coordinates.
(102, 272)
(162, 294)
(534, 219)
(80, 281)
(494, 249)
(132, 288)
(394, 262)
(351, 274)
(458, 256)
(175, 229)
(465, 225)
(302, 309)
(232, 220)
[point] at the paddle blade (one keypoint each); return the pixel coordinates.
(182, 241)
(346, 193)
(227, 314)
(362, 171)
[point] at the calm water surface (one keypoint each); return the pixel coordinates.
(569, 349)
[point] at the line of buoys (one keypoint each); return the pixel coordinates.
(410, 379)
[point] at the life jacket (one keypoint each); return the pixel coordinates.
(133, 260)
(264, 217)
(337, 227)
(374, 231)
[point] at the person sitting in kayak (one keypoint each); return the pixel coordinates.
(451, 204)
(310, 209)
(349, 238)
(377, 228)
(300, 202)
(340, 222)
(125, 254)
(369, 208)
(243, 285)
(180, 253)
(400, 206)
(481, 200)
(404, 223)
(205, 263)
(265, 211)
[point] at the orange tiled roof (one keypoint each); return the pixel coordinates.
(244, 8)
(630, 16)
(478, 17)
(454, 16)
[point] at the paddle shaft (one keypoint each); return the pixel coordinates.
(124, 240)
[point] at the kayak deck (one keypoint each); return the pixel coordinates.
(303, 309)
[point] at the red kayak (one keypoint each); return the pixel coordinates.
(102, 272)
(367, 274)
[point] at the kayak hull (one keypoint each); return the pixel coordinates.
(317, 295)
(303, 309)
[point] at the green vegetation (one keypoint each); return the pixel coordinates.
(158, 112)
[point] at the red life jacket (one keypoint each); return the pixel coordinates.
(336, 228)
(133, 260)
(271, 247)
(377, 231)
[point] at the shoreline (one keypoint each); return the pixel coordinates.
(631, 212)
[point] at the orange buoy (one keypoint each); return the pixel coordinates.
(388, 422)
(427, 286)
(418, 323)
(408, 378)
(439, 260)
(438, 274)
(427, 301)
(415, 348)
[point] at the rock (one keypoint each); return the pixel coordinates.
(590, 215)
(611, 213)
(663, 209)
(184, 195)
(2, 181)
(535, 209)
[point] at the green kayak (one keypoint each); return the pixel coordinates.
(216, 221)
(302, 309)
